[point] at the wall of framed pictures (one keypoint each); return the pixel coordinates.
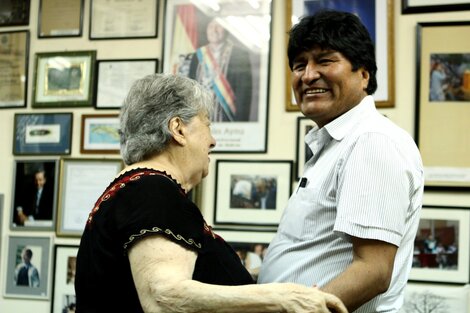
(54, 124)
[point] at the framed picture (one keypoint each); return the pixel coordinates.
(82, 181)
(426, 6)
(64, 79)
(443, 95)
(60, 18)
(377, 16)
(41, 134)
(251, 192)
(302, 151)
(14, 12)
(14, 55)
(34, 194)
(115, 19)
(100, 134)
(441, 246)
(115, 77)
(28, 267)
(1, 214)
(63, 290)
(237, 75)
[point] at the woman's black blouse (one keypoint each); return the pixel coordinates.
(139, 203)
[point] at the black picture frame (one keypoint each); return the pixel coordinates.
(70, 23)
(63, 290)
(444, 6)
(302, 151)
(14, 12)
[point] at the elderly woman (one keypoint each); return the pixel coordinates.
(146, 246)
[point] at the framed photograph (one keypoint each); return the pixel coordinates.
(63, 290)
(251, 192)
(377, 16)
(41, 134)
(64, 79)
(426, 6)
(443, 95)
(60, 18)
(82, 181)
(302, 151)
(34, 194)
(100, 134)
(441, 251)
(226, 47)
(115, 19)
(14, 12)
(115, 77)
(14, 55)
(28, 267)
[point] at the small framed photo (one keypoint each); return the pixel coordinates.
(28, 267)
(420, 6)
(303, 152)
(41, 134)
(64, 20)
(441, 251)
(64, 79)
(115, 77)
(14, 12)
(82, 181)
(425, 297)
(115, 19)
(251, 192)
(34, 194)
(100, 134)
(63, 290)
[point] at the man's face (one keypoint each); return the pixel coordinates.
(325, 85)
(215, 32)
(39, 179)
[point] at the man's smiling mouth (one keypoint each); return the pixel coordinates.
(315, 91)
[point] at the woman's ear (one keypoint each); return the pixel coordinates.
(176, 127)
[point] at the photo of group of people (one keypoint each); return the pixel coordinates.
(449, 77)
(253, 191)
(251, 255)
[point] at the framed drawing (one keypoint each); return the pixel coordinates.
(14, 12)
(238, 77)
(28, 267)
(115, 77)
(82, 181)
(64, 79)
(14, 55)
(41, 134)
(302, 151)
(443, 95)
(34, 194)
(377, 16)
(100, 134)
(115, 19)
(63, 291)
(426, 6)
(251, 192)
(441, 246)
(60, 18)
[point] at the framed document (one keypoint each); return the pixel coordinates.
(115, 77)
(100, 134)
(82, 181)
(63, 290)
(14, 12)
(14, 54)
(64, 79)
(116, 19)
(60, 18)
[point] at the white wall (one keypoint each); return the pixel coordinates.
(282, 124)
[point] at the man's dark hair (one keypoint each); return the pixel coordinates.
(339, 31)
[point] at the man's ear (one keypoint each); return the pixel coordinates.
(176, 127)
(365, 78)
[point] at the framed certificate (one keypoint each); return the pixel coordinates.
(60, 18)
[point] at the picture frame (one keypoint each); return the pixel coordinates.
(441, 246)
(100, 134)
(302, 151)
(34, 284)
(14, 53)
(34, 197)
(59, 19)
(63, 290)
(380, 22)
(42, 133)
(2, 197)
(443, 94)
(64, 79)
(115, 78)
(131, 19)
(238, 78)
(14, 13)
(250, 192)
(82, 181)
(423, 6)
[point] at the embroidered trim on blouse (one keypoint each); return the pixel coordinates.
(157, 230)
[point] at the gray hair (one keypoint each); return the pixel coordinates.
(149, 106)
